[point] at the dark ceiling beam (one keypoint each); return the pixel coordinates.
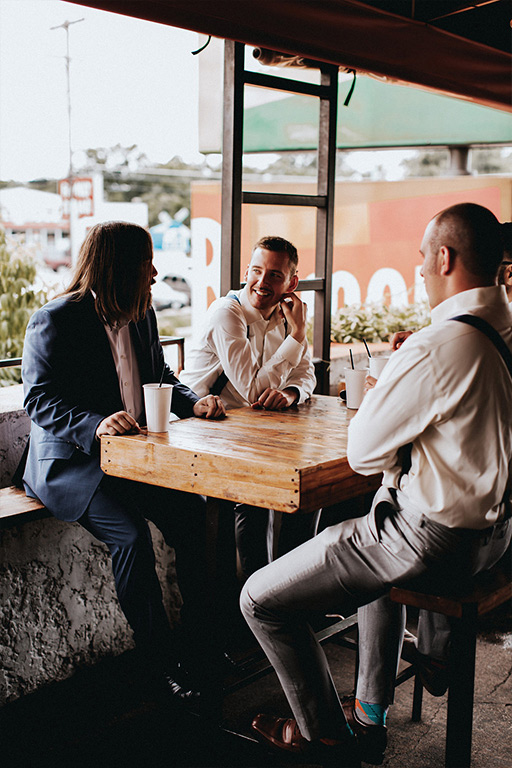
(346, 33)
(463, 10)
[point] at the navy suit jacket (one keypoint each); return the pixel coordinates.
(70, 385)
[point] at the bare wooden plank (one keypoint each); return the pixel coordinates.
(14, 501)
(285, 460)
(17, 508)
(489, 590)
(224, 477)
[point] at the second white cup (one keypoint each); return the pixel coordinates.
(157, 402)
(377, 364)
(354, 384)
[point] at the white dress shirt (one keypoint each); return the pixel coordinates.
(253, 353)
(127, 368)
(448, 392)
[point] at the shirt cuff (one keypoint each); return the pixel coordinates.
(303, 395)
(292, 351)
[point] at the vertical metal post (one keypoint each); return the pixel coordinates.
(232, 150)
(325, 226)
(459, 716)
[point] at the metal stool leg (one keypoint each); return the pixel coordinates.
(417, 700)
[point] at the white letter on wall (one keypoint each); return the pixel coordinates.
(204, 275)
(384, 279)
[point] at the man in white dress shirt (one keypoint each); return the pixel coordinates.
(253, 351)
(448, 394)
(429, 651)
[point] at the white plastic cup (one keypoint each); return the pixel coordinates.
(377, 364)
(354, 385)
(157, 401)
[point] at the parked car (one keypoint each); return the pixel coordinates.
(179, 284)
(165, 297)
(56, 258)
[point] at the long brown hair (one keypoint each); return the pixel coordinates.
(115, 261)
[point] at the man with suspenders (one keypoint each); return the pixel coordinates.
(439, 519)
(253, 351)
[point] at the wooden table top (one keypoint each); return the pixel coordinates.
(285, 460)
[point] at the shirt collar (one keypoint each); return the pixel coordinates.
(253, 315)
(490, 302)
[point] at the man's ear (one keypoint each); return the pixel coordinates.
(507, 276)
(294, 281)
(446, 260)
(246, 272)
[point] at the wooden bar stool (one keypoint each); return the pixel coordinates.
(488, 590)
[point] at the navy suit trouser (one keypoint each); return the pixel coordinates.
(117, 515)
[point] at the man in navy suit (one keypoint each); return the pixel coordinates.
(86, 355)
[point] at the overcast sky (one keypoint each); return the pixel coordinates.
(132, 82)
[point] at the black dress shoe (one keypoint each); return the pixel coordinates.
(178, 692)
(372, 739)
(434, 675)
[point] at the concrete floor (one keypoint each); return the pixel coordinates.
(102, 717)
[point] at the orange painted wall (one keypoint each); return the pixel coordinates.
(377, 224)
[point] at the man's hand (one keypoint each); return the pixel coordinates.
(398, 339)
(369, 383)
(211, 407)
(275, 399)
(119, 423)
(294, 312)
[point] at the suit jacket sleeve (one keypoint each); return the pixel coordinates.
(48, 397)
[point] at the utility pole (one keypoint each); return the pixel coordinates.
(72, 207)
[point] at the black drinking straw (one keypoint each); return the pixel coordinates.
(366, 345)
(162, 376)
(351, 359)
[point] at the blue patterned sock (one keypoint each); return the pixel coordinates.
(370, 714)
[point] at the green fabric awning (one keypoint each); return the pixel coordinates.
(379, 114)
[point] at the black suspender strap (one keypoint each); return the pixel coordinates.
(221, 380)
(497, 340)
(491, 333)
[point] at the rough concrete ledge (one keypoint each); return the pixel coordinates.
(59, 608)
(14, 429)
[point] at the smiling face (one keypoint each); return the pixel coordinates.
(268, 277)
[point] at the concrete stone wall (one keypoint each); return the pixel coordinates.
(14, 429)
(58, 606)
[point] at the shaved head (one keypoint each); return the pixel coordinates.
(473, 235)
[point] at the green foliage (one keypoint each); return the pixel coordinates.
(377, 322)
(18, 300)
(427, 162)
(491, 160)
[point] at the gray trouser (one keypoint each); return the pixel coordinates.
(347, 566)
(262, 534)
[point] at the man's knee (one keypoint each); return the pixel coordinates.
(248, 607)
(255, 601)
